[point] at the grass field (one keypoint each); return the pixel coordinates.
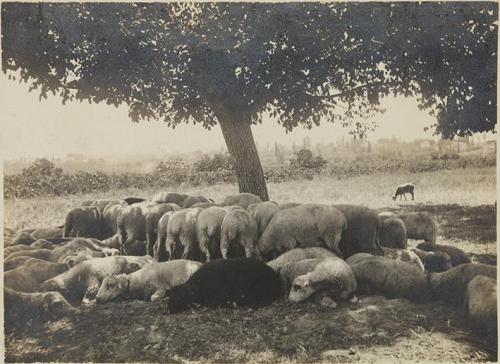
(465, 187)
(373, 330)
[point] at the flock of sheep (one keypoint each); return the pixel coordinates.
(242, 251)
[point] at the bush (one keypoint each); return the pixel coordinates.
(43, 178)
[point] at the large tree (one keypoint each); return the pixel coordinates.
(231, 63)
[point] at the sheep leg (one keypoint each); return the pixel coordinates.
(412, 196)
(162, 292)
(170, 246)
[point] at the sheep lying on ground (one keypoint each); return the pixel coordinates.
(450, 286)
(23, 307)
(481, 307)
(245, 281)
(29, 276)
(84, 279)
(390, 278)
(332, 274)
(456, 255)
(151, 282)
(405, 256)
(433, 261)
(298, 254)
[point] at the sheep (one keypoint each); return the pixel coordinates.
(130, 200)
(390, 278)
(191, 200)
(392, 231)
(296, 255)
(182, 241)
(153, 216)
(241, 199)
(403, 189)
(58, 253)
(263, 213)
(131, 227)
(287, 205)
(108, 220)
(332, 274)
(450, 286)
(13, 263)
(29, 276)
(404, 256)
(361, 234)
(169, 197)
(433, 261)
(83, 222)
(238, 230)
(160, 253)
(24, 307)
(48, 233)
(245, 281)
(420, 225)
(303, 226)
(481, 307)
(83, 280)
(293, 270)
(456, 255)
(151, 282)
(208, 228)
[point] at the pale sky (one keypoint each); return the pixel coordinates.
(32, 128)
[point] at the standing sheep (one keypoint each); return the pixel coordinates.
(402, 190)
(303, 226)
(160, 252)
(109, 218)
(131, 226)
(153, 216)
(182, 241)
(263, 213)
(191, 200)
(169, 197)
(238, 229)
(241, 199)
(420, 226)
(392, 233)
(361, 235)
(208, 229)
(83, 222)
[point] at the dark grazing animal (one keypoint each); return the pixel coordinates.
(245, 281)
(402, 190)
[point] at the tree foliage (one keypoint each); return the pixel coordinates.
(301, 62)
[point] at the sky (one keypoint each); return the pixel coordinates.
(32, 129)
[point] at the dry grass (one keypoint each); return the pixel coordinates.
(465, 187)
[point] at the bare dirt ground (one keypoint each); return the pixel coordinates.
(373, 330)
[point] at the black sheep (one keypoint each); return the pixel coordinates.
(457, 255)
(245, 281)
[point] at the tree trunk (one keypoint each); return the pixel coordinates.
(240, 143)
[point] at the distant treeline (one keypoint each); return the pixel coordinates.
(44, 178)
